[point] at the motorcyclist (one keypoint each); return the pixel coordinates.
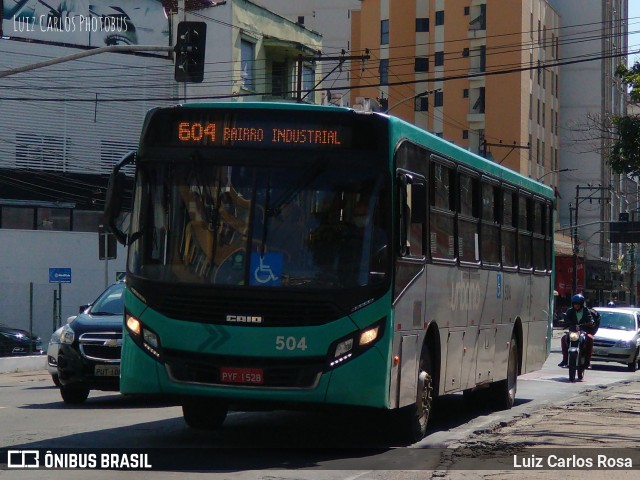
(578, 315)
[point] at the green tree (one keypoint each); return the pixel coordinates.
(625, 151)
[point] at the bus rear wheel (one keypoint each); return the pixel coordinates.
(204, 414)
(504, 391)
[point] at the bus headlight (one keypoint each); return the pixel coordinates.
(143, 337)
(369, 335)
(355, 344)
(133, 324)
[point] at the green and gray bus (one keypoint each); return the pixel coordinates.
(301, 255)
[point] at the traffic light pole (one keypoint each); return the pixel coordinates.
(87, 53)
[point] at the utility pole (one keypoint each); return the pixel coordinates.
(576, 246)
(318, 58)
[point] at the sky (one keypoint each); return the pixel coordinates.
(634, 30)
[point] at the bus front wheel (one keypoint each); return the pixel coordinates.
(414, 418)
(204, 414)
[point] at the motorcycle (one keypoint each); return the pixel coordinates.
(577, 360)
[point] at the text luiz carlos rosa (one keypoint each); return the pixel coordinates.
(570, 461)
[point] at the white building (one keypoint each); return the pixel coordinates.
(61, 130)
(590, 92)
(332, 19)
(252, 54)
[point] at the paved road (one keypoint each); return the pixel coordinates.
(33, 416)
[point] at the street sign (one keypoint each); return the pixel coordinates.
(60, 275)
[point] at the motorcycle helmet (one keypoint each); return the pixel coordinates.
(611, 304)
(577, 298)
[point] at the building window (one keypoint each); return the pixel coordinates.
(438, 99)
(422, 104)
(439, 59)
(308, 83)
(483, 58)
(465, 52)
(467, 10)
(279, 79)
(87, 220)
(20, 218)
(384, 71)
(41, 152)
(53, 219)
(544, 116)
(480, 22)
(247, 49)
(465, 93)
(422, 24)
(478, 106)
(384, 32)
(465, 134)
(422, 64)
(440, 17)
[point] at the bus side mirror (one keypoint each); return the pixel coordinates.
(412, 198)
(115, 196)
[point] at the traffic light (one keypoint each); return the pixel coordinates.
(192, 38)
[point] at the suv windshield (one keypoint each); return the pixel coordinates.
(110, 302)
(316, 224)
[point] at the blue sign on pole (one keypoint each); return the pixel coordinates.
(59, 275)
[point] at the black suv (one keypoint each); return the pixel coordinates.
(14, 341)
(90, 345)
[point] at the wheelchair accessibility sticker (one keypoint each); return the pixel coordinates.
(266, 270)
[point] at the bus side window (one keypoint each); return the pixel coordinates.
(539, 230)
(442, 215)
(468, 218)
(490, 229)
(508, 232)
(524, 232)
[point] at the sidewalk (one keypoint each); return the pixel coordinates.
(601, 421)
(23, 364)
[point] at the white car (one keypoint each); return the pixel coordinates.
(618, 338)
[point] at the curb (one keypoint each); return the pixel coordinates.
(23, 364)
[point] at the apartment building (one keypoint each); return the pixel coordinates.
(478, 73)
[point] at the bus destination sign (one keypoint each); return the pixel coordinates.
(259, 134)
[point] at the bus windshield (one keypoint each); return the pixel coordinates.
(320, 224)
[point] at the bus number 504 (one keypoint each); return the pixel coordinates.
(290, 343)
